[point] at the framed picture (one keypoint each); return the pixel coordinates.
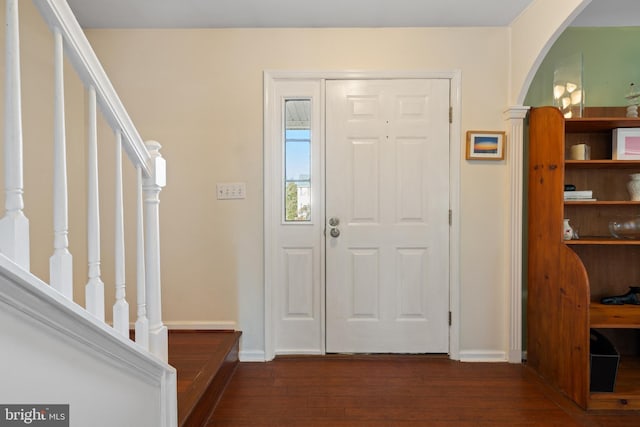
(485, 145)
(626, 144)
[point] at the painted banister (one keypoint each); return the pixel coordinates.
(14, 226)
(158, 334)
(142, 322)
(79, 52)
(61, 262)
(121, 306)
(69, 42)
(94, 290)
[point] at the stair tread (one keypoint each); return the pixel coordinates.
(204, 361)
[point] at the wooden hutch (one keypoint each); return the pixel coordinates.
(566, 279)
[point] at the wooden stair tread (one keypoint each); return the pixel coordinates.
(204, 361)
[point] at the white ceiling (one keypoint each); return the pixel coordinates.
(294, 13)
(329, 13)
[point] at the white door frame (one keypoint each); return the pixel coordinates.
(271, 195)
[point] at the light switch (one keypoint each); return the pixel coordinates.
(231, 190)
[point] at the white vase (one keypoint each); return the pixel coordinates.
(567, 230)
(633, 186)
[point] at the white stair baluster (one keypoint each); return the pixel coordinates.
(94, 290)
(14, 226)
(158, 335)
(61, 262)
(142, 323)
(121, 306)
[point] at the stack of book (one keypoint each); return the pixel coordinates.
(579, 196)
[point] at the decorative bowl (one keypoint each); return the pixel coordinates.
(625, 228)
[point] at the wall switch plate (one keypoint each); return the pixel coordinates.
(231, 190)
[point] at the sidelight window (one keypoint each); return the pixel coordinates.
(297, 160)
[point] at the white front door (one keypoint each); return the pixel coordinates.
(387, 196)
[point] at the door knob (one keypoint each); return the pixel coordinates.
(334, 221)
(335, 232)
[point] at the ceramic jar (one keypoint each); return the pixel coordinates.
(633, 186)
(567, 230)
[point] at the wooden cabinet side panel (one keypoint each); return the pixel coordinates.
(558, 288)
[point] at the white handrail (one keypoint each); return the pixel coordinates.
(59, 15)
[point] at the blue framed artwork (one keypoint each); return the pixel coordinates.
(485, 145)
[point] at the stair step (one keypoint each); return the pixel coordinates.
(205, 362)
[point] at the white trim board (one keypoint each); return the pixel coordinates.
(483, 356)
(251, 356)
(201, 325)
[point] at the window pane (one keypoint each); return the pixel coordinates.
(298, 157)
(297, 160)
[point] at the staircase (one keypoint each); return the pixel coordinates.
(78, 353)
(84, 353)
(205, 361)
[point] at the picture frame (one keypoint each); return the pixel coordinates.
(485, 145)
(626, 144)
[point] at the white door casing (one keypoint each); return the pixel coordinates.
(309, 335)
(387, 184)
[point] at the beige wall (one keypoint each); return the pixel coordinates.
(199, 92)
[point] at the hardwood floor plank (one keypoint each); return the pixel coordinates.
(397, 391)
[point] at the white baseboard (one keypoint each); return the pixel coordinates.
(252, 356)
(482, 356)
(516, 356)
(302, 352)
(201, 325)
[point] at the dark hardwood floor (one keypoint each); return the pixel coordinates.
(397, 391)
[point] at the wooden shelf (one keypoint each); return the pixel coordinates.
(600, 124)
(602, 164)
(602, 203)
(590, 240)
(614, 316)
(626, 394)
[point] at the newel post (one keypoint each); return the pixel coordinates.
(14, 226)
(152, 185)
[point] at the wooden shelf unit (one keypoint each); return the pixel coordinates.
(566, 279)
